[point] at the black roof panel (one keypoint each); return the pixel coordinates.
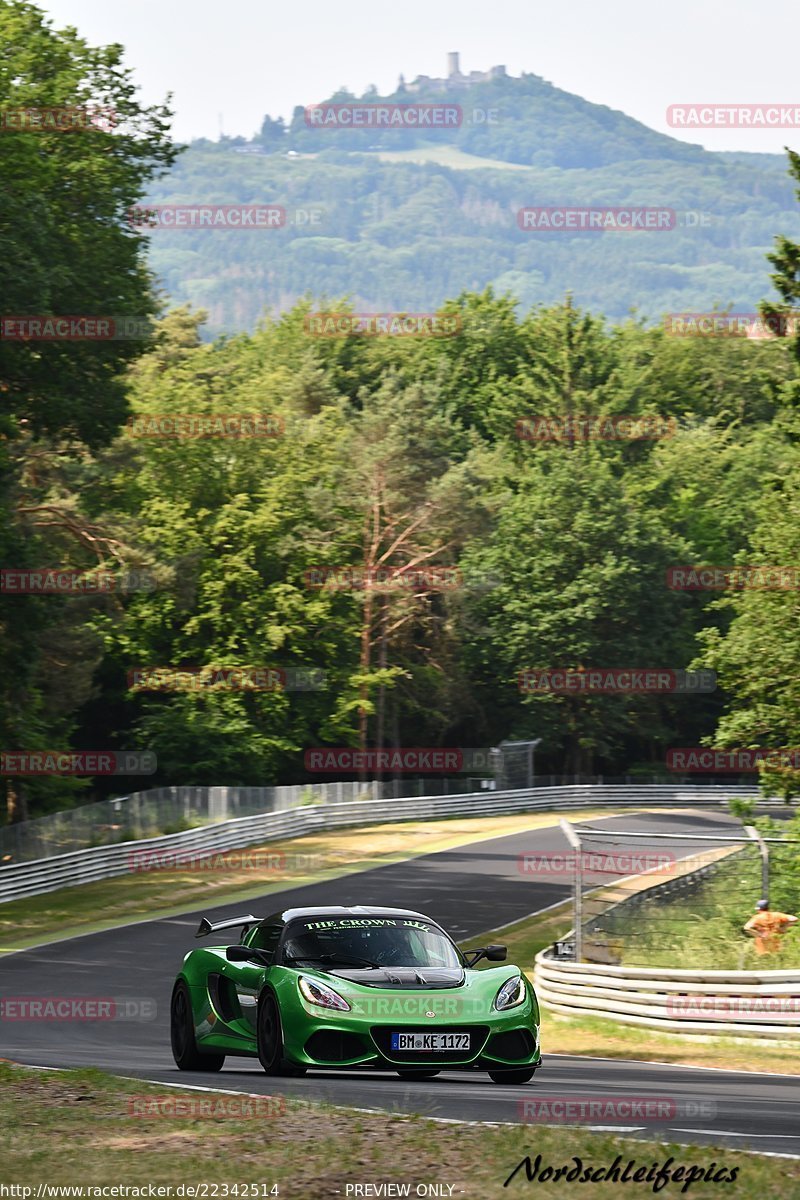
(340, 910)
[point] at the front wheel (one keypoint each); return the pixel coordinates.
(418, 1074)
(269, 1036)
(523, 1075)
(184, 1046)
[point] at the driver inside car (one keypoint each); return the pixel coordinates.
(387, 947)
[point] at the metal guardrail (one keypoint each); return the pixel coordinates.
(763, 1004)
(173, 809)
(756, 1004)
(20, 880)
(159, 811)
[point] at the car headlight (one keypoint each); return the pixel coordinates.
(511, 993)
(317, 993)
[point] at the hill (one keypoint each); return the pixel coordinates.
(401, 220)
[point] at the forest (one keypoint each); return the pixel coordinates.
(263, 497)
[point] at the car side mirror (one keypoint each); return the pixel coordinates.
(248, 954)
(490, 953)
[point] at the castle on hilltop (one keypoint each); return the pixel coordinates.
(454, 80)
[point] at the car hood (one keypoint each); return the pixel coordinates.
(452, 995)
(401, 978)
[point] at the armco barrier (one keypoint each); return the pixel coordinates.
(755, 1004)
(105, 862)
(157, 811)
(764, 1004)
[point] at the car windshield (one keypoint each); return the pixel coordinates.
(369, 942)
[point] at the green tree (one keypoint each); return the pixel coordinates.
(786, 278)
(66, 248)
(756, 656)
(579, 572)
(66, 245)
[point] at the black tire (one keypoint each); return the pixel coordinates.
(269, 1037)
(518, 1075)
(421, 1074)
(181, 1028)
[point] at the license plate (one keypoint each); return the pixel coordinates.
(430, 1041)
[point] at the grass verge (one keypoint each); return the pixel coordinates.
(598, 1038)
(257, 871)
(681, 929)
(82, 1128)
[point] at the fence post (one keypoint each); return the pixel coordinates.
(755, 836)
(575, 843)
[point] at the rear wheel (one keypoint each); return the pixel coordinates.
(184, 1046)
(421, 1074)
(269, 1034)
(521, 1075)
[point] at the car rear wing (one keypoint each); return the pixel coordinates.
(207, 926)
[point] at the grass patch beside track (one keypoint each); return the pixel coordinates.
(598, 1038)
(80, 1128)
(150, 895)
(684, 928)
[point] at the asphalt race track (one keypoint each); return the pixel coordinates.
(469, 890)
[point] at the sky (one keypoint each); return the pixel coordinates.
(228, 64)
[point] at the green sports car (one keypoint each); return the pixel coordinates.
(375, 988)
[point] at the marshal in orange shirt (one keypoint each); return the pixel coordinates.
(766, 927)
